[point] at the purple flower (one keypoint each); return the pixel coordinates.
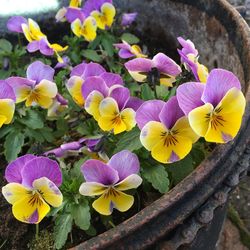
(110, 180)
(33, 186)
(127, 51)
(214, 110)
(161, 65)
(38, 88)
(128, 18)
(64, 64)
(58, 106)
(189, 57)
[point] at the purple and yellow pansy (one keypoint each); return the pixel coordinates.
(189, 57)
(109, 181)
(32, 187)
(38, 41)
(165, 130)
(38, 88)
(165, 68)
(214, 110)
(128, 51)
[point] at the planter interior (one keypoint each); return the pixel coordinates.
(223, 40)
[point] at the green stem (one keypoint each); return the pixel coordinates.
(111, 223)
(37, 231)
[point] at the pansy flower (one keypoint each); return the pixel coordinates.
(163, 67)
(38, 88)
(128, 18)
(102, 10)
(7, 103)
(37, 40)
(81, 73)
(32, 186)
(63, 65)
(165, 130)
(110, 180)
(189, 57)
(110, 105)
(127, 51)
(214, 110)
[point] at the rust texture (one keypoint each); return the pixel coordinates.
(223, 39)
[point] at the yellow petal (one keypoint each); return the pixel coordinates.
(99, 18)
(74, 87)
(7, 109)
(136, 50)
(109, 12)
(92, 188)
(199, 119)
(89, 29)
(108, 123)
(109, 107)
(130, 182)
(76, 27)
(167, 80)
(14, 192)
(30, 209)
(113, 199)
(128, 117)
(35, 31)
(75, 3)
(152, 133)
(173, 148)
(49, 191)
(139, 77)
(22, 94)
(183, 128)
(58, 47)
(2, 120)
(46, 88)
(26, 32)
(92, 104)
(202, 73)
(227, 117)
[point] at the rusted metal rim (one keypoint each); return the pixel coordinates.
(162, 216)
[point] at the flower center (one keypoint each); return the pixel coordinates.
(111, 192)
(35, 198)
(216, 119)
(170, 138)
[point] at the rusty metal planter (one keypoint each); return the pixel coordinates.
(180, 217)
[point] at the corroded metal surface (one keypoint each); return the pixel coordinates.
(223, 38)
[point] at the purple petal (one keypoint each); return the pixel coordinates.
(33, 46)
(134, 103)
(111, 79)
(189, 96)
(41, 167)
(128, 18)
(149, 111)
(71, 146)
(15, 24)
(123, 45)
(73, 13)
(166, 65)
(91, 5)
(64, 64)
(61, 99)
(125, 163)
(78, 70)
(97, 171)
(94, 83)
(121, 95)
(219, 82)
(139, 65)
(57, 152)
(45, 48)
(188, 46)
(13, 170)
(93, 69)
(38, 71)
(6, 91)
(170, 112)
(125, 54)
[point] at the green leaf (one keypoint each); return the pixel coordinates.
(180, 169)
(32, 120)
(92, 55)
(34, 134)
(63, 226)
(48, 134)
(157, 176)
(146, 92)
(130, 38)
(5, 130)
(108, 46)
(13, 145)
(129, 140)
(5, 46)
(81, 214)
